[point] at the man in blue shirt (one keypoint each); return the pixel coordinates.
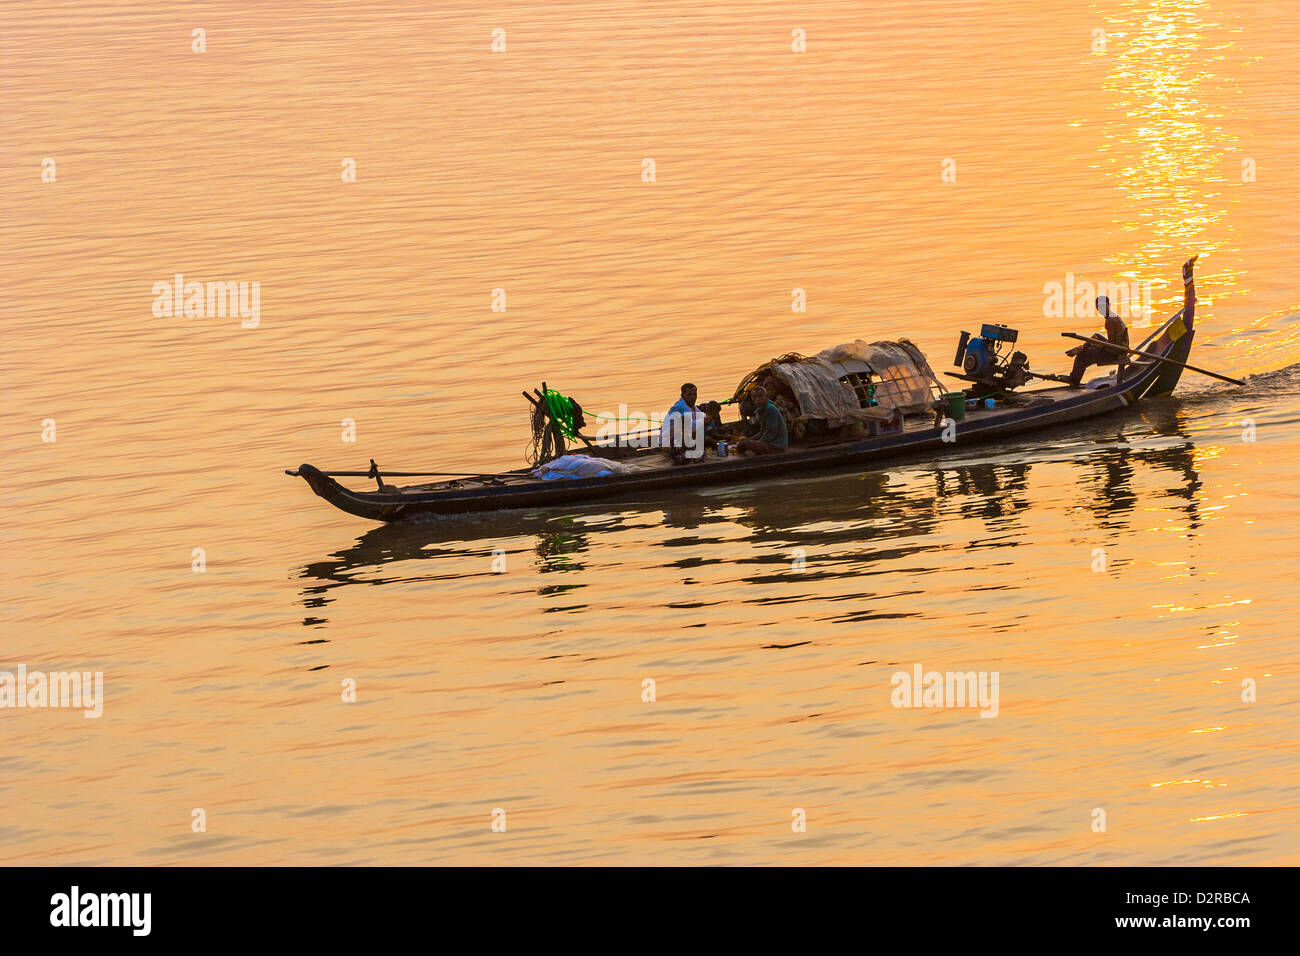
(682, 431)
(770, 437)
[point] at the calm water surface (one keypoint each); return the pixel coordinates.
(1120, 689)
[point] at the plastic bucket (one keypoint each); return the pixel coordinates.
(956, 405)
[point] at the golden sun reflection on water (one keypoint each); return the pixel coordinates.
(1163, 145)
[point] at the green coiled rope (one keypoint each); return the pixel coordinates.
(560, 408)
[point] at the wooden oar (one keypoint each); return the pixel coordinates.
(1151, 355)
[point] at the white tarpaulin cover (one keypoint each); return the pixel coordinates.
(820, 393)
(900, 370)
(578, 466)
(903, 375)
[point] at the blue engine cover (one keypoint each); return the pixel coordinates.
(980, 358)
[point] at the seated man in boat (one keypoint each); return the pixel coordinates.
(780, 395)
(682, 431)
(770, 436)
(1089, 354)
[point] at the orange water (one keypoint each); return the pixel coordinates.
(1120, 689)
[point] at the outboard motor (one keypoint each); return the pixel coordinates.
(982, 361)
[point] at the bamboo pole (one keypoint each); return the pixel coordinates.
(293, 472)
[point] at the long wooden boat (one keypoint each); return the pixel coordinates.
(1022, 413)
